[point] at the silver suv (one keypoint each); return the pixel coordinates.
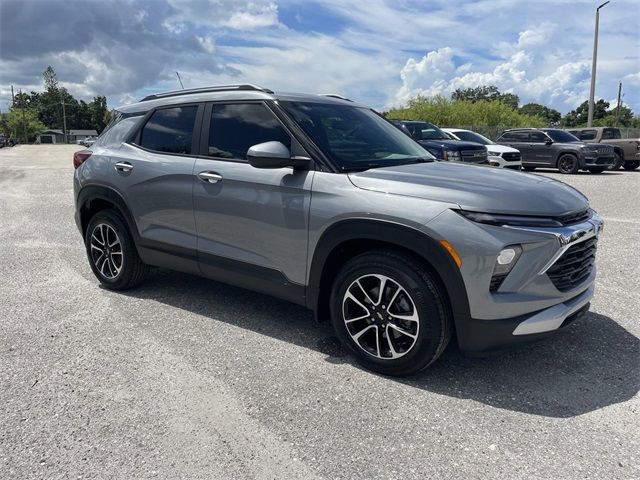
(322, 202)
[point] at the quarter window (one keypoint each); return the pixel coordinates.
(170, 130)
(236, 127)
(515, 137)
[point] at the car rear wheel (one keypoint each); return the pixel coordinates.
(391, 314)
(617, 163)
(112, 253)
(568, 163)
(631, 165)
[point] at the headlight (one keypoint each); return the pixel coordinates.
(451, 155)
(509, 220)
(494, 154)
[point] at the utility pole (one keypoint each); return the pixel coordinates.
(13, 104)
(593, 67)
(24, 122)
(618, 107)
(180, 80)
(64, 121)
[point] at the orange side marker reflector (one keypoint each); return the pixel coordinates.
(452, 251)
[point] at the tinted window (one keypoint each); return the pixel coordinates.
(170, 130)
(586, 134)
(611, 133)
(237, 127)
(425, 131)
(515, 136)
(355, 137)
(562, 136)
(118, 132)
(472, 137)
(538, 137)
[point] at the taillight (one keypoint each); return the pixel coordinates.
(80, 157)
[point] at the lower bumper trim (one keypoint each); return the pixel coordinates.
(551, 318)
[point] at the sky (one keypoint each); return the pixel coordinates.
(377, 52)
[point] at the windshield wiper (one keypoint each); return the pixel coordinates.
(369, 165)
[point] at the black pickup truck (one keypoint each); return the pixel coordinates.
(440, 145)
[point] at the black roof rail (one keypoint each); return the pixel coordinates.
(335, 95)
(215, 88)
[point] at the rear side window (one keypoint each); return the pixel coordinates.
(234, 128)
(586, 135)
(118, 132)
(515, 136)
(170, 130)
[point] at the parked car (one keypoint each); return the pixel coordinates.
(322, 202)
(626, 150)
(440, 145)
(499, 155)
(555, 148)
(88, 141)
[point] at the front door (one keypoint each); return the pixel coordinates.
(252, 223)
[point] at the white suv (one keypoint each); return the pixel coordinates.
(499, 155)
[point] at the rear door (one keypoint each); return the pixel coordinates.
(154, 174)
(252, 223)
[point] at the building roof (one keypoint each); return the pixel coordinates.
(50, 131)
(83, 132)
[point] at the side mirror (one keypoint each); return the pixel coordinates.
(548, 141)
(274, 155)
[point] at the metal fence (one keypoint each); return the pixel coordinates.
(492, 131)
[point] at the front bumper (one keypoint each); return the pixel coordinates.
(483, 336)
(601, 161)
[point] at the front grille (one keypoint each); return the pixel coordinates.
(476, 156)
(575, 217)
(511, 156)
(574, 266)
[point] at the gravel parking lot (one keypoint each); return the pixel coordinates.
(189, 378)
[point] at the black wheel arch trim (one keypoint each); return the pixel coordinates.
(401, 236)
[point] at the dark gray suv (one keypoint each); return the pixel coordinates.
(551, 147)
(322, 202)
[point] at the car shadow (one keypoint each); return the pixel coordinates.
(588, 365)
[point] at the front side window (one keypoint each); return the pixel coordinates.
(561, 136)
(355, 137)
(170, 130)
(587, 135)
(538, 137)
(236, 127)
(611, 133)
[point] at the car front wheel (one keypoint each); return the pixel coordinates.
(392, 314)
(631, 165)
(568, 163)
(617, 163)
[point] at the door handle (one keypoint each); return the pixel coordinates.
(124, 167)
(211, 177)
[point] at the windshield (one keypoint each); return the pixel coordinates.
(425, 131)
(472, 137)
(355, 137)
(562, 136)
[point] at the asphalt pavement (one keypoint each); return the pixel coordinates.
(189, 378)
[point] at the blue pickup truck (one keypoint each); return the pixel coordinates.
(440, 145)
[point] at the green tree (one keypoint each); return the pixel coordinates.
(445, 112)
(24, 122)
(486, 93)
(551, 115)
(99, 113)
(579, 116)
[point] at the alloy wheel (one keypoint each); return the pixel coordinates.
(380, 316)
(106, 251)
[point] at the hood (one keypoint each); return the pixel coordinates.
(496, 147)
(475, 188)
(453, 144)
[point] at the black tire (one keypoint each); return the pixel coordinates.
(132, 271)
(527, 168)
(410, 291)
(617, 163)
(597, 170)
(631, 164)
(568, 164)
